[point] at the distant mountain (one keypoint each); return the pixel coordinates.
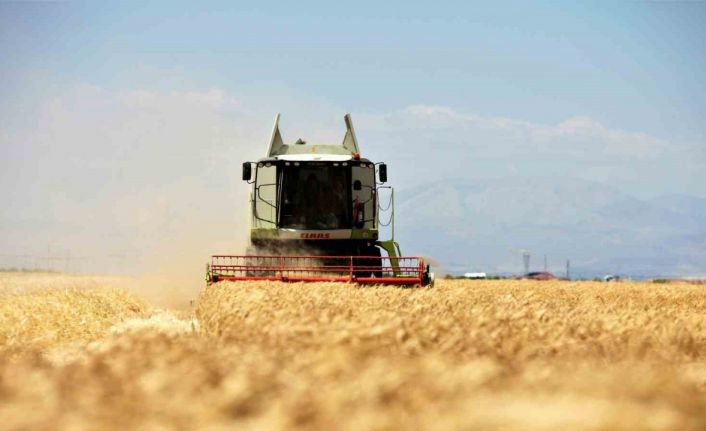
(689, 206)
(485, 225)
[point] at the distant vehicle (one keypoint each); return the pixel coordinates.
(475, 275)
(611, 277)
(540, 275)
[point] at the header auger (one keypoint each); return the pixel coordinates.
(315, 217)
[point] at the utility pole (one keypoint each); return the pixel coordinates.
(568, 269)
(545, 263)
(526, 260)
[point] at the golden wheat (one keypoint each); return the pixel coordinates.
(49, 317)
(463, 355)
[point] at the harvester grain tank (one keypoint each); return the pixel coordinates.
(315, 216)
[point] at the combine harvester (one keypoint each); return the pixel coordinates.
(315, 215)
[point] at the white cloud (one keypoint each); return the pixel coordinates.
(574, 137)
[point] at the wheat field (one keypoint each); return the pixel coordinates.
(105, 353)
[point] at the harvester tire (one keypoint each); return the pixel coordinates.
(376, 262)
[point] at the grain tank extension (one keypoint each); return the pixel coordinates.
(315, 212)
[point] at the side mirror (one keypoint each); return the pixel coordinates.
(247, 171)
(382, 172)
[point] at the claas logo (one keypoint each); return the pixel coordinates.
(315, 235)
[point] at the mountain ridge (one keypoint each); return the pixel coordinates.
(481, 225)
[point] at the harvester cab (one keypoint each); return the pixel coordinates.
(315, 216)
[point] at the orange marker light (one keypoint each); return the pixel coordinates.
(356, 156)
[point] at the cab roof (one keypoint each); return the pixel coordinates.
(314, 158)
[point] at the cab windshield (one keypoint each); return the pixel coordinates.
(315, 196)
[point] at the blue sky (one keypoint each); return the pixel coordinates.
(130, 115)
(635, 66)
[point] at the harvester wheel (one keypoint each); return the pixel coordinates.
(428, 277)
(375, 263)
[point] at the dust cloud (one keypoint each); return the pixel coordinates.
(133, 183)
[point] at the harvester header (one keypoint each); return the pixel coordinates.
(315, 216)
